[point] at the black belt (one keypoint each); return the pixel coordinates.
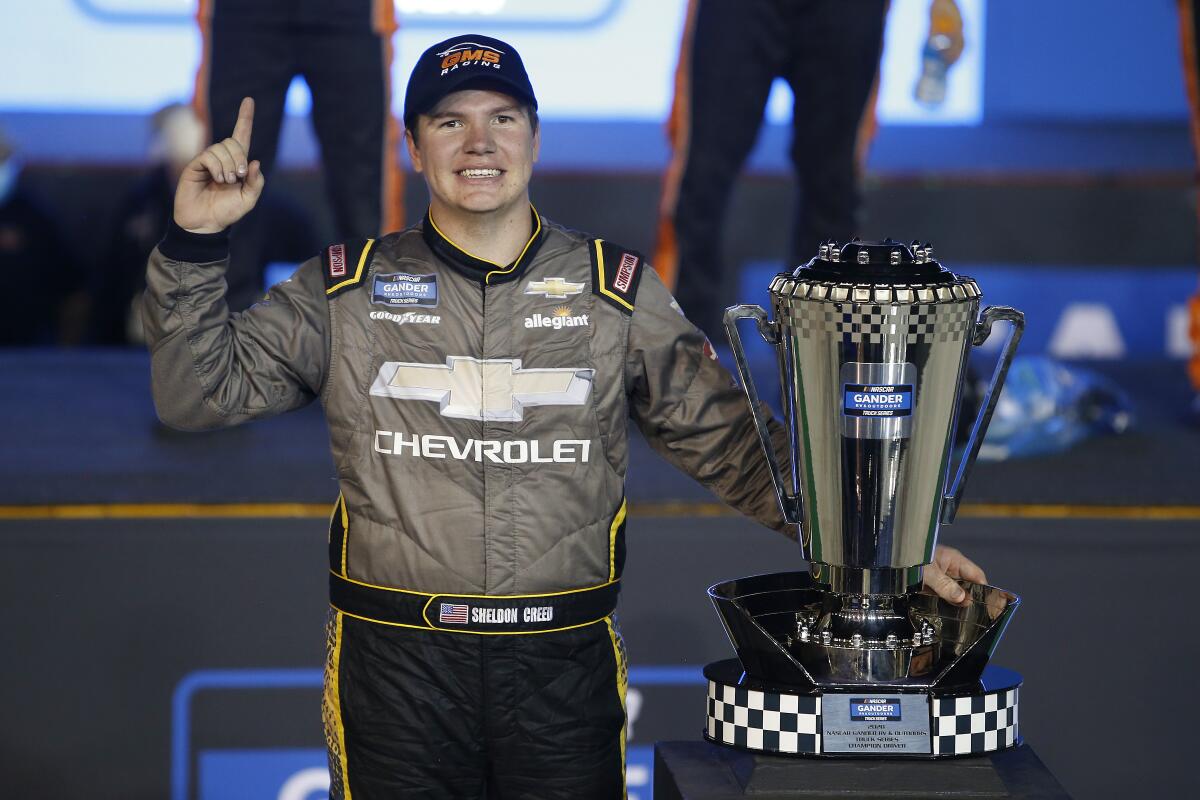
(527, 613)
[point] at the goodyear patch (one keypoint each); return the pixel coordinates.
(405, 290)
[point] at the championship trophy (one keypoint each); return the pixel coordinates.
(855, 657)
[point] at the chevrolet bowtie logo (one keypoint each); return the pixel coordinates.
(553, 288)
(487, 389)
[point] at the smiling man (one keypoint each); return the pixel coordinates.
(476, 153)
(477, 546)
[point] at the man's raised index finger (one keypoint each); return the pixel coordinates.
(245, 123)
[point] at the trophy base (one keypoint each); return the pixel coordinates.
(871, 721)
(705, 771)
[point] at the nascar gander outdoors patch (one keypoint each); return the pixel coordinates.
(862, 400)
(616, 273)
(875, 709)
(403, 290)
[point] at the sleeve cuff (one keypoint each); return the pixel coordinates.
(194, 248)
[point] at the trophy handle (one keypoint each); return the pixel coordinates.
(981, 331)
(769, 331)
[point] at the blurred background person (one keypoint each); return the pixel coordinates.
(1189, 34)
(31, 249)
(343, 50)
(732, 52)
(285, 233)
(139, 224)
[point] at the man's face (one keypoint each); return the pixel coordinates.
(477, 150)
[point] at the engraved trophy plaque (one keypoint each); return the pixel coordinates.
(855, 657)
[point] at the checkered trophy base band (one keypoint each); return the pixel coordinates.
(771, 722)
(779, 722)
(980, 723)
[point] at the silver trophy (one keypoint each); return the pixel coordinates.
(854, 657)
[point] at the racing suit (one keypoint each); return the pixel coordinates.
(478, 420)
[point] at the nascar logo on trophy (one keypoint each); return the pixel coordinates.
(855, 657)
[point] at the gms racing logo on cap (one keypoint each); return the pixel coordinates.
(469, 54)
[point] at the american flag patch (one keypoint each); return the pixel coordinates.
(453, 614)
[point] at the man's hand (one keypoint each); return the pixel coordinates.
(947, 565)
(218, 187)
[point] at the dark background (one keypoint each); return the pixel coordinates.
(1083, 162)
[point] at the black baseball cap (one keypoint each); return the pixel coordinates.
(468, 61)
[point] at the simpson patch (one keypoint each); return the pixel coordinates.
(616, 273)
(346, 265)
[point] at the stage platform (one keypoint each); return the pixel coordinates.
(705, 771)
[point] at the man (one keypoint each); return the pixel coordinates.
(477, 371)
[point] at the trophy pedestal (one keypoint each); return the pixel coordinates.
(705, 771)
(880, 720)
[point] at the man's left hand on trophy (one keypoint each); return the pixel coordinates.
(948, 565)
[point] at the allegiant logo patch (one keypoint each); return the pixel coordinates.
(875, 709)
(402, 290)
(561, 318)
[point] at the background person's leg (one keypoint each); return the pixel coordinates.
(351, 89)
(832, 71)
(246, 61)
(725, 75)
